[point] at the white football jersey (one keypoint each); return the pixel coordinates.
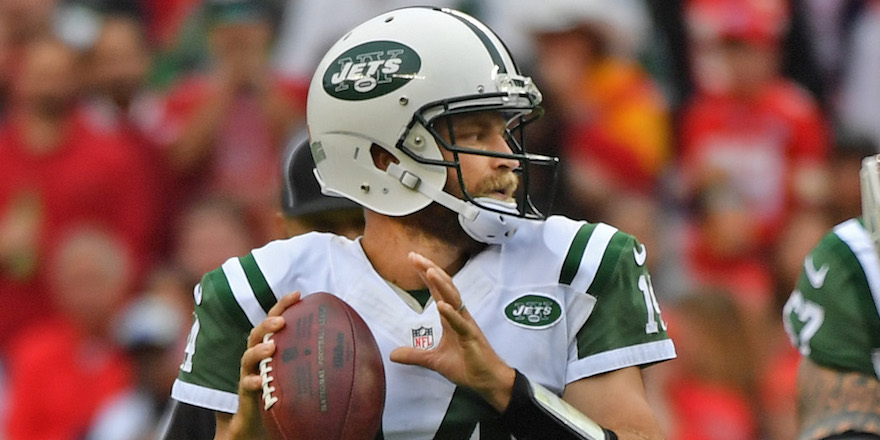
(561, 301)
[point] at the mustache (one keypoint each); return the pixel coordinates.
(507, 182)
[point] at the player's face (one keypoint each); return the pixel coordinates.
(483, 176)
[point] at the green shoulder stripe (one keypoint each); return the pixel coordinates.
(619, 244)
(215, 281)
(258, 282)
(575, 253)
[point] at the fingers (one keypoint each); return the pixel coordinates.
(250, 386)
(439, 282)
(250, 381)
(274, 321)
(251, 358)
(452, 309)
(411, 356)
(260, 346)
(283, 303)
(456, 319)
(269, 325)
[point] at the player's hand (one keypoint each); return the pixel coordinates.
(247, 422)
(463, 355)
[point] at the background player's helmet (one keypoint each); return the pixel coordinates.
(387, 82)
(870, 178)
(300, 193)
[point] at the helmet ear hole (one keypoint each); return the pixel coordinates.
(381, 157)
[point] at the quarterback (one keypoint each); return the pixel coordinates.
(494, 321)
(833, 318)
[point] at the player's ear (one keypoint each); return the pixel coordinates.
(381, 157)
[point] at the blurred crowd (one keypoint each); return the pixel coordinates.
(140, 146)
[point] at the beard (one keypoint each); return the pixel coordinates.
(441, 223)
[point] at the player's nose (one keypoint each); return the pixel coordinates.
(498, 143)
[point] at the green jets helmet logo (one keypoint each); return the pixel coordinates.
(370, 70)
(533, 311)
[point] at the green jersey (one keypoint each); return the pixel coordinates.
(561, 301)
(832, 316)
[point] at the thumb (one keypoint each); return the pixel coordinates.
(411, 356)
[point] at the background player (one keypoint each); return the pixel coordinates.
(423, 105)
(304, 208)
(833, 318)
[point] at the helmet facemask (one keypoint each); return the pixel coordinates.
(519, 109)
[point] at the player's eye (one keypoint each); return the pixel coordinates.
(468, 137)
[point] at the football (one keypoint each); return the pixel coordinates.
(326, 379)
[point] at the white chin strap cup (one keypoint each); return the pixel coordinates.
(480, 224)
(491, 227)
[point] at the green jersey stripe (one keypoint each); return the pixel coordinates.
(258, 282)
(575, 253)
(244, 294)
(618, 247)
(215, 281)
(597, 248)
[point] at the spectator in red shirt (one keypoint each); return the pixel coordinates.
(754, 149)
(120, 101)
(750, 129)
(225, 129)
(64, 369)
(56, 169)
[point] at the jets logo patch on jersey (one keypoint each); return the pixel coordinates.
(370, 70)
(533, 311)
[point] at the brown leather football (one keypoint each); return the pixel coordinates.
(326, 379)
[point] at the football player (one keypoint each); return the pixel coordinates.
(833, 318)
(540, 326)
(303, 207)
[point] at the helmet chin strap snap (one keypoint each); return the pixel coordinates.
(491, 227)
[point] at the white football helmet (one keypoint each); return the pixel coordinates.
(870, 178)
(386, 83)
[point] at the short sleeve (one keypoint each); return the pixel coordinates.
(209, 373)
(625, 327)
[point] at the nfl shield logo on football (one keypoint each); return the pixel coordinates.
(423, 338)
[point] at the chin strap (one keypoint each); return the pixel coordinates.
(489, 226)
(480, 224)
